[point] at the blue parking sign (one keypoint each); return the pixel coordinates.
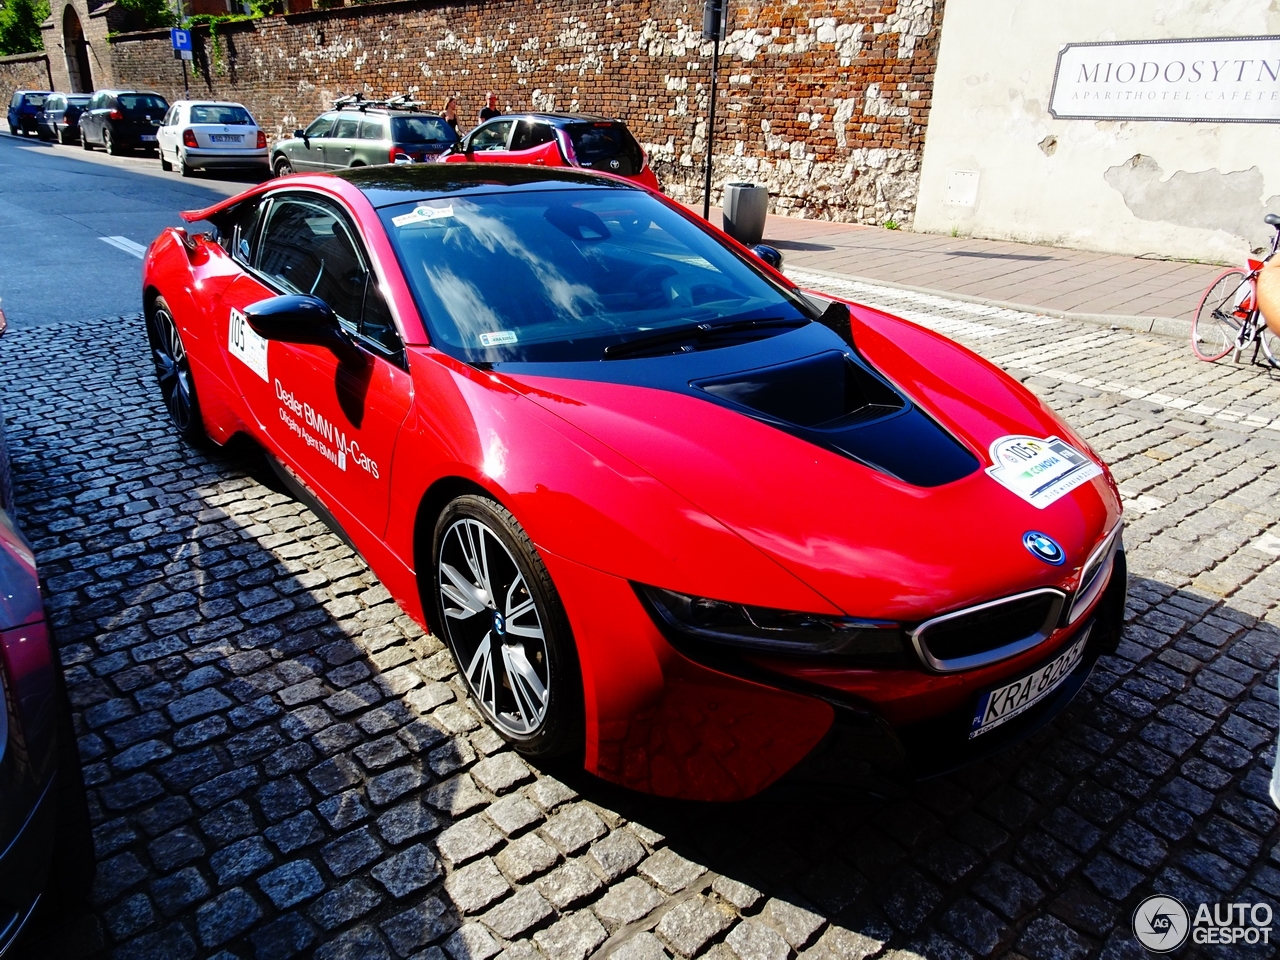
(181, 39)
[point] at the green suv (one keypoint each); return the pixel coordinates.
(359, 133)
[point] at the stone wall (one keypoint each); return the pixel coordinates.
(825, 102)
(26, 71)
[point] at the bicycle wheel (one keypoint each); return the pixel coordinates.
(1217, 323)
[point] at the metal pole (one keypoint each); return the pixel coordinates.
(186, 90)
(711, 125)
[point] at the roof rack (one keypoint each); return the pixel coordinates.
(357, 101)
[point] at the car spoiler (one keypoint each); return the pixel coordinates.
(193, 216)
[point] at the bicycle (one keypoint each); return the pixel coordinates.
(1228, 316)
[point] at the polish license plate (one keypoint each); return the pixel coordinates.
(1006, 702)
(226, 137)
(148, 136)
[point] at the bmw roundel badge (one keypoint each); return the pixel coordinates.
(1044, 546)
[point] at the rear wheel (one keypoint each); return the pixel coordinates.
(1217, 322)
(109, 142)
(63, 136)
(502, 618)
(283, 167)
(173, 372)
(180, 164)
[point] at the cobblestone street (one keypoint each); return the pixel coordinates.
(281, 763)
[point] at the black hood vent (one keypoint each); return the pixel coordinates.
(836, 402)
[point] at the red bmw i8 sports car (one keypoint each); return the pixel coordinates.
(668, 511)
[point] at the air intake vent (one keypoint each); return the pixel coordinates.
(989, 632)
(822, 391)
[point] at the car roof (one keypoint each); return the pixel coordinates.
(389, 184)
(400, 183)
(42, 92)
(559, 119)
(124, 92)
(209, 103)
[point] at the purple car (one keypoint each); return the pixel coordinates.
(46, 848)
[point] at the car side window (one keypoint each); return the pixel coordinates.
(240, 233)
(373, 130)
(530, 134)
(308, 246)
(347, 128)
(320, 127)
(492, 136)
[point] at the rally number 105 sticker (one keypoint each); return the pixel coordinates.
(1040, 471)
(245, 344)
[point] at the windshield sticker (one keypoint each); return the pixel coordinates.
(245, 345)
(1040, 471)
(497, 339)
(423, 215)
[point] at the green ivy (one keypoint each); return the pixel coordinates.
(215, 20)
(20, 26)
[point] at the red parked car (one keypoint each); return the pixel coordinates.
(46, 844)
(557, 140)
(669, 512)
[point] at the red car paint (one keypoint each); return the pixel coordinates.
(618, 484)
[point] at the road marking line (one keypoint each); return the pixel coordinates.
(128, 246)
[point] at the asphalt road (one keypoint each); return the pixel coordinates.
(56, 205)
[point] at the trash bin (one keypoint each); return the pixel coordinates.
(744, 209)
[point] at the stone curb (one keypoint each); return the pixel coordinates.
(1162, 326)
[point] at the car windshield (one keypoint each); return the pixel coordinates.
(77, 101)
(557, 275)
(137, 104)
(220, 113)
(421, 130)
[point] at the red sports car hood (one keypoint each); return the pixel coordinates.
(874, 545)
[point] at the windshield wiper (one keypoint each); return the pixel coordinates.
(699, 333)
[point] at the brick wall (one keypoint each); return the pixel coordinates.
(26, 71)
(823, 101)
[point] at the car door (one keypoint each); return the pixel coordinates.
(333, 414)
(89, 119)
(488, 143)
(306, 153)
(339, 148)
(164, 136)
(534, 142)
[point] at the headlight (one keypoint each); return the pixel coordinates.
(765, 630)
(1096, 573)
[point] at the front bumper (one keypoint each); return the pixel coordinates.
(670, 721)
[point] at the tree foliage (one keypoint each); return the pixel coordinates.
(20, 26)
(151, 13)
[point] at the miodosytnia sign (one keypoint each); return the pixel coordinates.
(1221, 80)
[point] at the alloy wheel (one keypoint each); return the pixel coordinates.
(173, 370)
(494, 627)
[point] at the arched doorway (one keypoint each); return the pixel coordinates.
(77, 51)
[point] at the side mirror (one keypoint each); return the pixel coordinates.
(295, 319)
(299, 134)
(770, 255)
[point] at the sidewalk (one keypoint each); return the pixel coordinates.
(1131, 291)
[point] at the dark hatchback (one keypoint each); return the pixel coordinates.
(119, 120)
(23, 110)
(60, 118)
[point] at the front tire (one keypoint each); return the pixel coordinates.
(283, 167)
(1216, 324)
(173, 373)
(503, 620)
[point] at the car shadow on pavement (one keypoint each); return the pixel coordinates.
(281, 763)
